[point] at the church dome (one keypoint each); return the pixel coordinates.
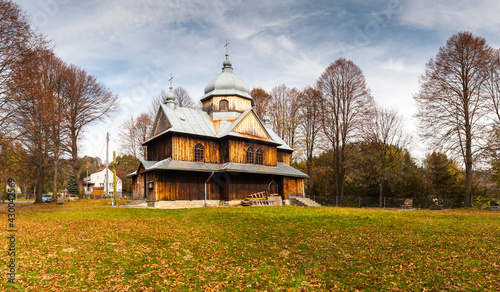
(227, 83)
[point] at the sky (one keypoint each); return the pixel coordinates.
(133, 46)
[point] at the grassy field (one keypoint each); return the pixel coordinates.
(85, 246)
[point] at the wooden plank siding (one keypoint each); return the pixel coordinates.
(183, 147)
(243, 184)
(238, 154)
(293, 187)
(180, 185)
(284, 157)
(236, 103)
(162, 124)
(139, 184)
(251, 126)
(160, 148)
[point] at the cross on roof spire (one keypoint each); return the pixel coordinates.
(226, 45)
(171, 77)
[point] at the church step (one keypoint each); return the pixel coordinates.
(303, 201)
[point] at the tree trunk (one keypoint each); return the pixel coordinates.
(39, 187)
(468, 162)
(381, 193)
(468, 184)
(74, 161)
(56, 171)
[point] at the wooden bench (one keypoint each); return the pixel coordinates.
(407, 205)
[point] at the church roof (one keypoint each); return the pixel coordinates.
(227, 84)
(169, 164)
(197, 122)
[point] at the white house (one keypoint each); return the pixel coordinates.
(97, 180)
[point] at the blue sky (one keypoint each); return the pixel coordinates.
(133, 46)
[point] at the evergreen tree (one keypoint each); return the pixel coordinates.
(71, 184)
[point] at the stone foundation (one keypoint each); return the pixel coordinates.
(194, 204)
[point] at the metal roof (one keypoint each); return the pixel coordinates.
(197, 122)
(189, 121)
(227, 83)
(277, 138)
(176, 165)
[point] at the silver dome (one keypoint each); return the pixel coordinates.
(227, 83)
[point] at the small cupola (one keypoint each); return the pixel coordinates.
(170, 97)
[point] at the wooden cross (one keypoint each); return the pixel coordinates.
(226, 47)
(171, 77)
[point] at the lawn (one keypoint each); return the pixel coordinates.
(85, 246)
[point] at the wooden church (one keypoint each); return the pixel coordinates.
(218, 155)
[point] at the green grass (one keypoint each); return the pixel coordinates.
(76, 248)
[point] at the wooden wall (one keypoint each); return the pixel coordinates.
(216, 151)
(293, 187)
(183, 149)
(162, 124)
(160, 148)
(240, 185)
(138, 185)
(284, 157)
(178, 185)
(236, 103)
(237, 152)
(251, 126)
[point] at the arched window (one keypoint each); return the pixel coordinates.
(259, 156)
(223, 105)
(250, 155)
(199, 153)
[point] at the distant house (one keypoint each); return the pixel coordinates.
(222, 153)
(97, 180)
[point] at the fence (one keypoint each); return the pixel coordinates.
(372, 202)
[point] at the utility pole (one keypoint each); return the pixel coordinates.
(106, 172)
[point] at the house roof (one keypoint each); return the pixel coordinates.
(169, 164)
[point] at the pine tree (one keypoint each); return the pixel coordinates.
(71, 184)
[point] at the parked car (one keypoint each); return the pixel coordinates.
(72, 197)
(46, 198)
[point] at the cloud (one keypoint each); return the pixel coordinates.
(452, 15)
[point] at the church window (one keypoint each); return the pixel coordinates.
(199, 153)
(259, 156)
(223, 105)
(250, 155)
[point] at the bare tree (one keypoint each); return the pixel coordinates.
(262, 101)
(284, 110)
(154, 106)
(128, 138)
(310, 122)
(451, 100)
(143, 125)
(88, 102)
(387, 137)
(183, 98)
(133, 133)
(346, 101)
(493, 93)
